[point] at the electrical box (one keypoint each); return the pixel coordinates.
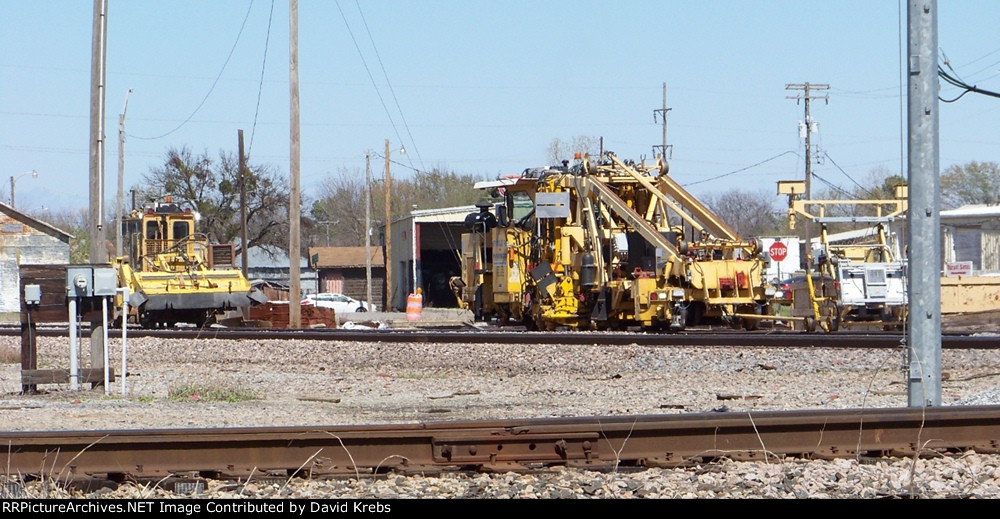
(105, 282)
(32, 295)
(79, 281)
(90, 281)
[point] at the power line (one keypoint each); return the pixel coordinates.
(954, 81)
(260, 87)
(369, 72)
(846, 175)
(211, 89)
(391, 90)
(741, 169)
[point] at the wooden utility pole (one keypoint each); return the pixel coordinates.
(807, 96)
(388, 233)
(662, 112)
(294, 257)
(119, 207)
(98, 252)
(243, 217)
(368, 227)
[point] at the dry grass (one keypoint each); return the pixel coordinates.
(10, 355)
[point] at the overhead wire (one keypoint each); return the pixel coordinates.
(391, 90)
(211, 89)
(954, 80)
(369, 72)
(741, 169)
(260, 86)
(863, 188)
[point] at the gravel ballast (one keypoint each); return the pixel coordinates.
(221, 383)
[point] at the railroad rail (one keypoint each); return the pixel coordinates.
(844, 339)
(595, 443)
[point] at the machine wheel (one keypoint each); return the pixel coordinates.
(360, 309)
(810, 324)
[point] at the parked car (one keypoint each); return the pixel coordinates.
(338, 302)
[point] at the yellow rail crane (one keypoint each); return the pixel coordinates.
(606, 245)
(173, 274)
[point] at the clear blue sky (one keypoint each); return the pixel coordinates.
(481, 87)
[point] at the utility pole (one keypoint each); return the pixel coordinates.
(294, 257)
(243, 218)
(119, 209)
(368, 227)
(388, 233)
(807, 96)
(923, 217)
(98, 252)
(662, 112)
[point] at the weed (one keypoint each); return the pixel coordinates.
(212, 393)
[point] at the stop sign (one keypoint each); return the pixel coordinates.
(778, 251)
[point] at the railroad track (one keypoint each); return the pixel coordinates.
(592, 442)
(845, 339)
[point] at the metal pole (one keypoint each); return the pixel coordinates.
(124, 291)
(107, 363)
(923, 218)
(74, 344)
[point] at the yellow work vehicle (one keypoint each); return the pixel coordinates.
(173, 274)
(859, 284)
(606, 245)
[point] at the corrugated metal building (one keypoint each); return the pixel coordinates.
(425, 249)
(25, 240)
(972, 233)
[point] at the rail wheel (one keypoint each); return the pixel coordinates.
(810, 324)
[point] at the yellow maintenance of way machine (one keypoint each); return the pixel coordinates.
(606, 245)
(173, 274)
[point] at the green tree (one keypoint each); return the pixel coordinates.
(337, 216)
(214, 189)
(971, 183)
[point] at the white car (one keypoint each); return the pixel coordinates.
(338, 302)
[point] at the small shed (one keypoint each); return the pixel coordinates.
(344, 270)
(972, 233)
(25, 240)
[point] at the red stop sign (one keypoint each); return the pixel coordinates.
(778, 251)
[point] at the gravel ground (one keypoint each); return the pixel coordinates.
(179, 383)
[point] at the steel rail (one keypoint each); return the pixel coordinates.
(506, 336)
(596, 442)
